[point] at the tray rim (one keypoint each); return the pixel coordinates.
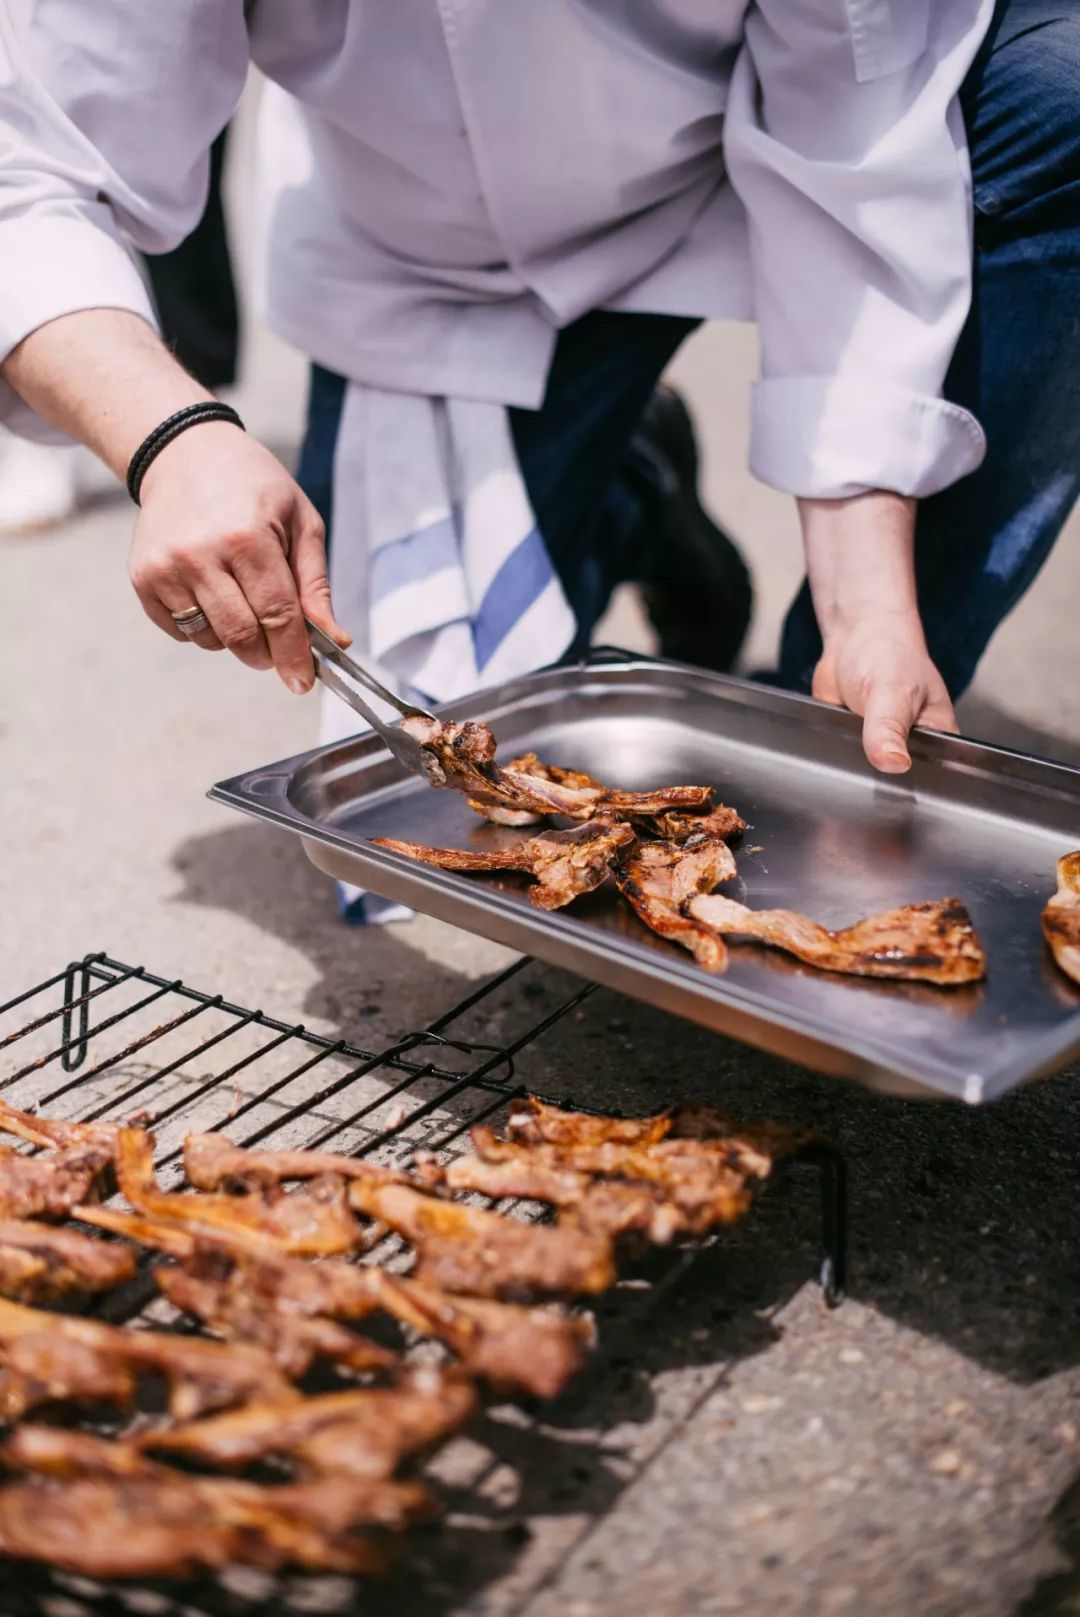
(262, 793)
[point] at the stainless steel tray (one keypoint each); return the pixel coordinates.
(828, 837)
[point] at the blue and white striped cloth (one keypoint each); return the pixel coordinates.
(437, 566)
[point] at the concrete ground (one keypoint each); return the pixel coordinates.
(740, 1449)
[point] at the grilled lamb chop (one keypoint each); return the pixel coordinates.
(465, 754)
(1061, 917)
(697, 1171)
(54, 1131)
(608, 1207)
(533, 1350)
(529, 764)
(674, 826)
(44, 1367)
(658, 879)
(234, 1293)
(212, 1162)
(930, 943)
(470, 1250)
(52, 1358)
(564, 864)
(234, 1307)
(365, 1432)
(50, 1183)
(702, 1183)
(104, 1510)
(536, 1122)
(314, 1219)
(672, 823)
(39, 1264)
(252, 1297)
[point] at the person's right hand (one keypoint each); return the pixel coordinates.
(224, 527)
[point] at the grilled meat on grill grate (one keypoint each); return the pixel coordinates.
(57, 1131)
(54, 1358)
(50, 1184)
(40, 1264)
(314, 1219)
(367, 1431)
(468, 1249)
(237, 1306)
(104, 1510)
(269, 1299)
(212, 1162)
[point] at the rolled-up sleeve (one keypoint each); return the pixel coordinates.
(107, 114)
(845, 141)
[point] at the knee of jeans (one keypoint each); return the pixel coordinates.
(1025, 133)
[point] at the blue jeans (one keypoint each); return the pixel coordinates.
(594, 482)
(982, 542)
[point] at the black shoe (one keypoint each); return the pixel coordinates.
(695, 585)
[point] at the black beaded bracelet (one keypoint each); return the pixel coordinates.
(192, 415)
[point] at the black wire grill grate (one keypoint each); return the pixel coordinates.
(105, 1040)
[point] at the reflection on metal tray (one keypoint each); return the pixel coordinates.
(828, 837)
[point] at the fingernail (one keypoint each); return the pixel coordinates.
(297, 685)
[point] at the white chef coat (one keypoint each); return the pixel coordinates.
(479, 173)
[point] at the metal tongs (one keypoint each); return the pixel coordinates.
(341, 674)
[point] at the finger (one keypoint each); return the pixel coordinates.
(887, 720)
(234, 624)
(307, 559)
(174, 597)
(158, 613)
(265, 578)
(824, 685)
(939, 714)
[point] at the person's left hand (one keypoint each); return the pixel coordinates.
(879, 667)
(860, 557)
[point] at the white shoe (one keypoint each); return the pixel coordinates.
(40, 484)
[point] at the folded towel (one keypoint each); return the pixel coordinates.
(437, 566)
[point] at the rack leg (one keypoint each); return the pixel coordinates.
(77, 1009)
(834, 1226)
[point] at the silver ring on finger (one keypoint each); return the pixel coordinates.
(191, 622)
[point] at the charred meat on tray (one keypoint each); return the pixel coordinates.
(465, 754)
(674, 825)
(932, 943)
(658, 879)
(563, 864)
(1061, 917)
